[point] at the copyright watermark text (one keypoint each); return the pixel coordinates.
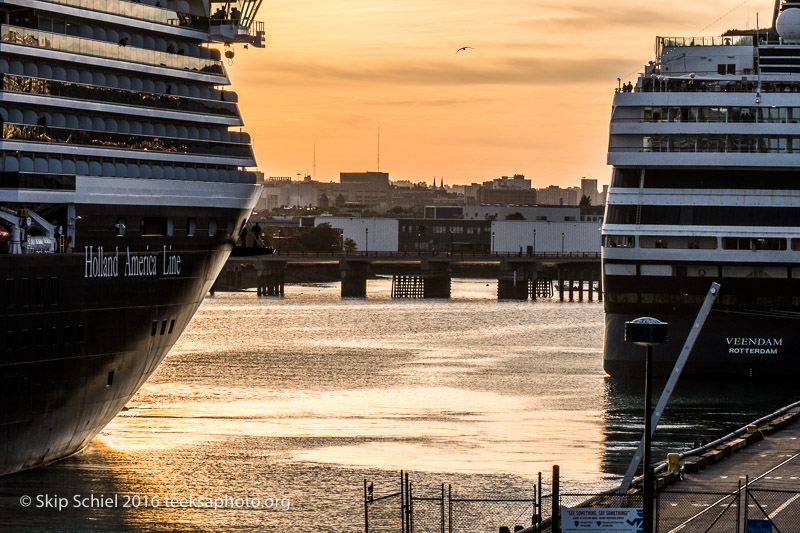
(143, 501)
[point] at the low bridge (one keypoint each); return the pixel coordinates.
(425, 275)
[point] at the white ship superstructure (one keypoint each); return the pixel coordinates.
(706, 187)
(123, 187)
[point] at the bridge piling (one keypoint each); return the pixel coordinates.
(571, 286)
(436, 279)
(270, 278)
(600, 286)
(354, 278)
(512, 285)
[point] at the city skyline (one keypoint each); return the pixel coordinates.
(532, 97)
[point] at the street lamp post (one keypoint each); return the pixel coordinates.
(534, 242)
(419, 238)
(562, 242)
(494, 250)
(647, 332)
(366, 234)
(450, 230)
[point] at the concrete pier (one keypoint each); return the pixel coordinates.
(437, 278)
(354, 278)
(512, 281)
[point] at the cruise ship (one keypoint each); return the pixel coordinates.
(123, 187)
(705, 149)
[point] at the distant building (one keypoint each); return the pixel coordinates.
(589, 190)
(511, 236)
(592, 213)
(506, 197)
(555, 195)
(516, 182)
(451, 212)
(280, 191)
(507, 191)
(369, 234)
(363, 188)
(374, 179)
(471, 193)
(540, 213)
(444, 235)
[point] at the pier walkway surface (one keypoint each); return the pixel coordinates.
(738, 481)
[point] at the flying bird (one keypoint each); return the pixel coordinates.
(464, 48)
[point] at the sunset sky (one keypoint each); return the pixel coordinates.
(532, 98)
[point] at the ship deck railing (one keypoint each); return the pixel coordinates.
(705, 150)
(697, 85)
(415, 254)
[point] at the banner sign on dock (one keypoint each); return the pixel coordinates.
(759, 526)
(590, 519)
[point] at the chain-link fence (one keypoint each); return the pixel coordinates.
(470, 514)
(382, 514)
(429, 510)
(741, 508)
(781, 507)
(698, 511)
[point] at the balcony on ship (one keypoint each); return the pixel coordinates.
(67, 43)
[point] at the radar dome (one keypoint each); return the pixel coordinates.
(788, 25)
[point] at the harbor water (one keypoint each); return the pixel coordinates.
(292, 402)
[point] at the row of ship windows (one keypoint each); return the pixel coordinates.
(37, 337)
(722, 114)
(726, 300)
(64, 125)
(79, 137)
(469, 230)
(702, 271)
(66, 43)
(718, 144)
(165, 226)
(154, 329)
(699, 243)
(66, 335)
(706, 178)
(27, 162)
(703, 215)
(153, 94)
(37, 292)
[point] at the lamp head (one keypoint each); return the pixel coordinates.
(646, 331)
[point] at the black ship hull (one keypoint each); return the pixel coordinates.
(733, 344)
(84, 330)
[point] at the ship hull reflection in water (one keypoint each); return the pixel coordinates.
(280, 399)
